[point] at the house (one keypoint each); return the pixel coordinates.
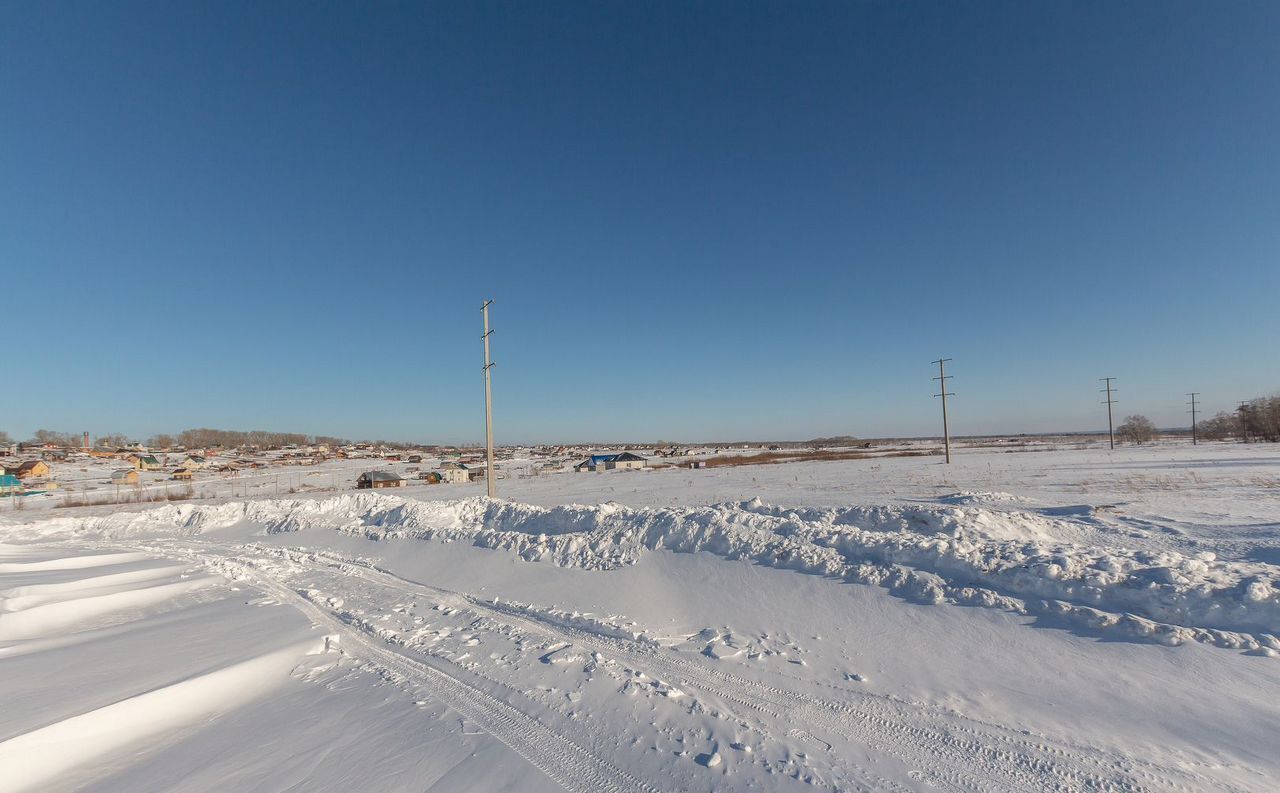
(183, 474)
(431, 477)
(415, 458)
(30, 469)
(144, 462)
(10, 485)
(125, 476)
(371, 479)
(194, 462)
(610, 462)
(456, 474)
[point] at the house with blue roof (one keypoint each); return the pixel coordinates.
(611, 462)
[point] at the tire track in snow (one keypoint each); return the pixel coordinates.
(573, 767)
(964, 754)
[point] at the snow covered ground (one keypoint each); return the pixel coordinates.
(1052, 620)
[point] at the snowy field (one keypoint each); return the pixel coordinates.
(1017, 621)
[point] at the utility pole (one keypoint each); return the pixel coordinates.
(1111, 427)
(1243, 410)
(942, 379)
(488, 404)
(1193, 396)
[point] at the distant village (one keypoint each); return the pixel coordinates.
(117, 473)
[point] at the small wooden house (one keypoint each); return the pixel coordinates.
(183, 474)
(430, 477)
(125, 476)
(378, 479)
(30, 469)
(144, 462)
(458, 474)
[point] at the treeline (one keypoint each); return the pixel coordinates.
(1257, 420)
(200, 439)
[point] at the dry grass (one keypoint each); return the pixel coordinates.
(138, 496)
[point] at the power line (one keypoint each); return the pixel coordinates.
(488, 404)
(1192, 403)
(1111, 427)
(942, 379)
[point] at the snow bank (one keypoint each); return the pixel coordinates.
(957, 553)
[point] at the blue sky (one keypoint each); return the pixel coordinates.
(697, 220)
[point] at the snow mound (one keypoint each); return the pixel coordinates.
(929, 553)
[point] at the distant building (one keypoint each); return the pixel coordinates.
(456, 474)
(378, 479)
(30, 469)
(611, 462)
(415, 458)
(184, 474)
(144, 462)
(10, 485)
(194, 462)
(431, 477)
(125, 476)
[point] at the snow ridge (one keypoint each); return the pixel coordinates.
(953, 553)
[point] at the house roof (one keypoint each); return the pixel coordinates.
(123, 473)
(611, 458)
(380, 476)
(149, 459)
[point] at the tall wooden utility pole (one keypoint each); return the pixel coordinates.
(488, 404)
(1243, 410)
(1193, 396)
(942, 379)
(1111, 427)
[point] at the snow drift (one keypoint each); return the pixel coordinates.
(953, 553)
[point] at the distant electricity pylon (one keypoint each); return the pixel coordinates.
(488, 404)
(1111, 427)
(942, 379)
(1192, 403)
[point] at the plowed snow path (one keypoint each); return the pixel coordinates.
(924, 746)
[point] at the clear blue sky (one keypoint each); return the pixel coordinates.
(697, 220)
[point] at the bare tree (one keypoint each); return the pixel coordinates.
(1137, 430)
(111, 441)
(1220, 427)
(5, 440)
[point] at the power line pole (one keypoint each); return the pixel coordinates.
(488, 404)
(942, 379)
(1193, 396)
(1111, 427)
(1243, 410)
